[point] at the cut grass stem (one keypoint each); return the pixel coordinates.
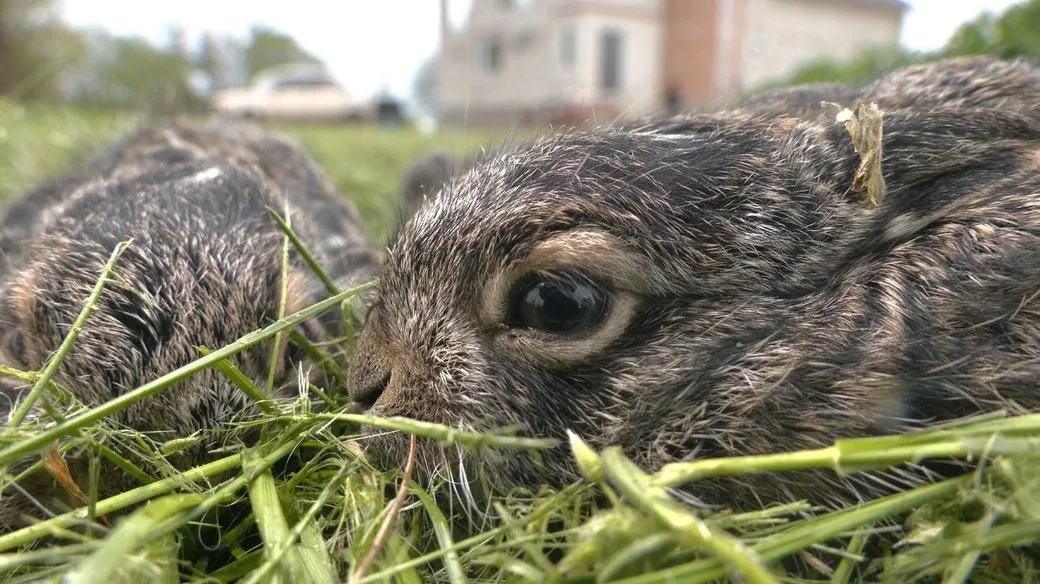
(686, 527)
(439, 432)
(304, 252)
(118, 502)
(274, 529)
(808, 532)
(1019, 436)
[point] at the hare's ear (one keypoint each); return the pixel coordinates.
(424, 178)
(920, 148)
(421, 181)
(803, 100)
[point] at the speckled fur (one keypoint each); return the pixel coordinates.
(424, 178)
(772, 310)
(204, 269)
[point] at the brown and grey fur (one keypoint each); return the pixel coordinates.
(204, 269)
(759, 305)
(427, 175)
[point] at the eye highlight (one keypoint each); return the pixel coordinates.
(561, 304)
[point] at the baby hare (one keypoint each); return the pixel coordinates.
(204, 268)
(711, 285)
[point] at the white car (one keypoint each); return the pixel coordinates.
(297, 93)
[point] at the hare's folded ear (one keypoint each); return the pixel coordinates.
(922, 147)
(976, 81)
(803, 101)
(424, 178)
(421, 181)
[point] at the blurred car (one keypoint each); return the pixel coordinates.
(296, 93)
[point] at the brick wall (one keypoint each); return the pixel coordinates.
(690, 49)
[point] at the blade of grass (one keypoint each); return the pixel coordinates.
(235, 375)
(305, 253)
(316, 561)
(533, 552)
(58, 357)
(231, 488)
(323, 361)
(124, 464)
(868, 453)
(118, 502)
(44, 556)
(649, 546)
(274, 529)
(236, 533)
(390, 519)
(428, 558)
(442, 530)
(94, 465)
(686, 527)
(283, 291)
(126, 540)
(238, 569)
(36, 443)
(809, 532)
(439, 432)
(847, 565)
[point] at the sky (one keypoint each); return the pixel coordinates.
(373, 44)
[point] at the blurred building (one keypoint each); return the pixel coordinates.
(562, 61)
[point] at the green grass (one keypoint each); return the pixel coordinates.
(304, 505)
(364, 162)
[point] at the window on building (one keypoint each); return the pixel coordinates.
(568, 46)
(301, 81)
(491, 54)
(611, 48)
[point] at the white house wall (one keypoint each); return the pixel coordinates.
(523, 81)
(781, 35)
(533, 78)
(641, 70)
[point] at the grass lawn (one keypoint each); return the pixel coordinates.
(365, 163)
(249, 517)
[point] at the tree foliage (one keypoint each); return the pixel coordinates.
(131, 72)
(1013, 33)
(222, 61)
(269, 48)
(41, 58)
(34, 48)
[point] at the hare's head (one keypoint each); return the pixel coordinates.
(610, 283)
(702, 287)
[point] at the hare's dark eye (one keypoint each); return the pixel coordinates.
(564, 304)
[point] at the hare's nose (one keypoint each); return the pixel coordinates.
(384, 376)
(371, 367)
